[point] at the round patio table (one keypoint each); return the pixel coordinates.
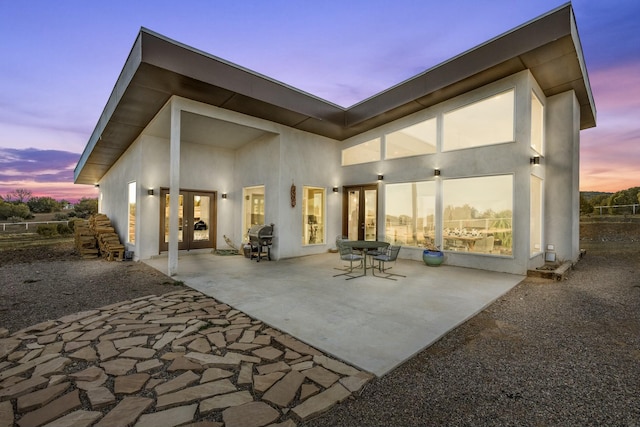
(365, 246)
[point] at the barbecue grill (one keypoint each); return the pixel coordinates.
(261, 239)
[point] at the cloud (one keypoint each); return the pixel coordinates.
(43, 172)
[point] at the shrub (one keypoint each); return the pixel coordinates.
(63, 229)
(47, 230)
(15, 219)
(60, 216)
(8, 210)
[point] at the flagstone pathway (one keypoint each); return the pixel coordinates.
(178, 359)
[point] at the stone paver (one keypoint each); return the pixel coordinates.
(126, 412)
(168, 418)
(321, 402)
(253, 414)
(178, 359)
(51, 411)
(283, 392)
(128, 384)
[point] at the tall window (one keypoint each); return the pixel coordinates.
(537, 124)
(253, 208)
(535, 237)
(131, 230)
(486, 122)
(362, 153)
(412, 141)
(478, 214)
(410, 213)
(313, 215)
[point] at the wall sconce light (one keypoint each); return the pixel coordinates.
(224, 195)
(380, 177)
(535, 160)
(436, 172)
(335, 189)
(150, 191)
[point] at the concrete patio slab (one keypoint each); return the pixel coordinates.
(372, 323)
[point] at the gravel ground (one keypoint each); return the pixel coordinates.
(547, 353)
(47, 282)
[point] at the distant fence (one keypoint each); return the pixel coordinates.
(26, 225)
(617, 209)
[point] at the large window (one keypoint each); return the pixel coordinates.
(253, 208)
(410, 213)
(362, 153)
(313, 215)
(412, 141)
(535, 238)
(490, 121)
(537, 124)
(131, 229)
(478, 214)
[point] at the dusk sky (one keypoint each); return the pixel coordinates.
(61, 59)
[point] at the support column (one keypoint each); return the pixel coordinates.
(174, 188)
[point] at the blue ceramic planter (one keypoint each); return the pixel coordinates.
(432, 258)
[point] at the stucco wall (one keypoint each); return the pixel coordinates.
(561, 162)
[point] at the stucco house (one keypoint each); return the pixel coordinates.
(478, 155)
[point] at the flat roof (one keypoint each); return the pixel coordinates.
(158, 68)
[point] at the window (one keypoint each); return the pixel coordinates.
(362, 153)
(535, 238)
(253, 208)
(478, 214)
(490, 121)
(131, 230)
(412, 141)
(313, 215)
(537, 124)
(410, 213)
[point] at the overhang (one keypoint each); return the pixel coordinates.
(158, 68)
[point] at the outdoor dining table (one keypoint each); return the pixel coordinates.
(365, 246)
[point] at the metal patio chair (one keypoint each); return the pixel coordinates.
(348, 254)
(383, 259)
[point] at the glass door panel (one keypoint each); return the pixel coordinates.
(200, 209)
(370, 219)
(353, 212)
(180, 218)
(201, 217)
(360, 212)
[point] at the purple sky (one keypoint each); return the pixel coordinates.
(61, 59)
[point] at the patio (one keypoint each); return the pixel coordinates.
(369, 322)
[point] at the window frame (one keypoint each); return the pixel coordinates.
(308, 231)
(444, 127)
(132, 191)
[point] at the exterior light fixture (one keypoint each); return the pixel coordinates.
(335, 189)
(224, 195)
(150, 191)
(96, 185)
(436, 172)
(380, 177)
(535, 160)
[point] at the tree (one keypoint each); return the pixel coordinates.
(43, 205)
(86, 207)
(585, 206)
(16, 210)
(20, 195)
